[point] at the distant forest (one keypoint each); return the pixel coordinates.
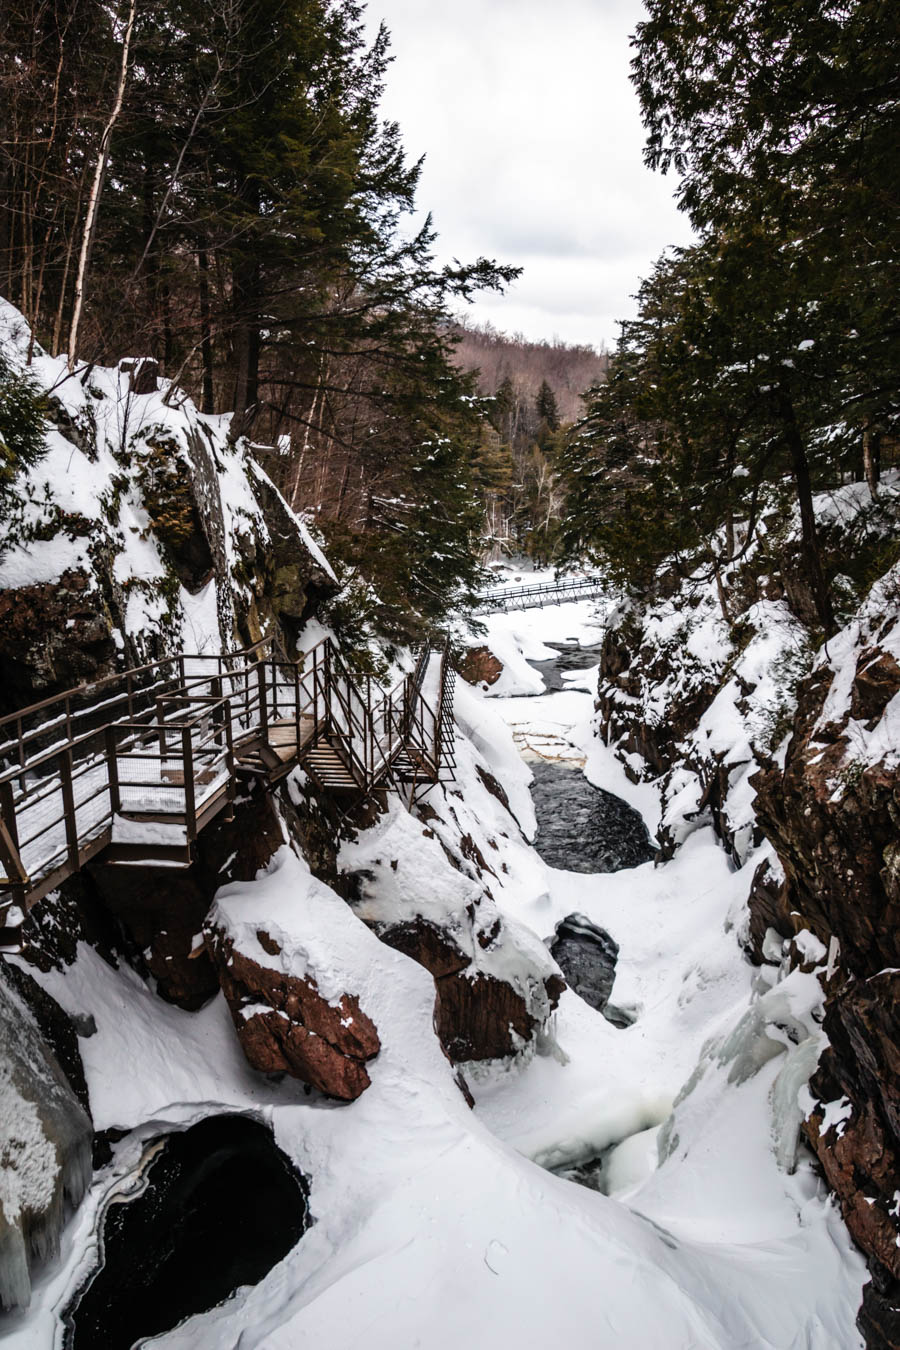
(569, 369)
(536, 392)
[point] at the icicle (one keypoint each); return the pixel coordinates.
(787, 1113)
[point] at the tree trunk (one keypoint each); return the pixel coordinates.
(208, 403)
(90, 223)
(871, 452)
(809, 543)
(720, 590)
(245, 346)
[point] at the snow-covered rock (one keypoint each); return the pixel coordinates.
(45, 1149)
(272, 946)
(496, 986)
(143, 529)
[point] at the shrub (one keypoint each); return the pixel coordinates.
(22, 409)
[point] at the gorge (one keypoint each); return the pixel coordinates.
(449, 777)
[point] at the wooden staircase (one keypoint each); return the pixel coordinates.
(130, 770)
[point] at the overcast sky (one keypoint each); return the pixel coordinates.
(533, 147)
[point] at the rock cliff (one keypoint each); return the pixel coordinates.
(833, 814)
(142, 530)
(731, 702)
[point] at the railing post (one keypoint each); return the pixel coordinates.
(161, 726)
(297, 706)
(229, 750)
(190, 803)
(218, 708)
(8, 811)
(9, 846)
(263, 705)
(15, 872)
(112, 771)
(315, 678)
(69, 817)
(328, 719)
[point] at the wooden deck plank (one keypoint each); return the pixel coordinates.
(268, 750)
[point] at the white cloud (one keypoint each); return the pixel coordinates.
(534, 152)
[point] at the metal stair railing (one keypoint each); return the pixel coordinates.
(162, 745)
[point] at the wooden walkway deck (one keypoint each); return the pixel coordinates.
(131, 769)
(505, 599)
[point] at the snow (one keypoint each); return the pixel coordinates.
(437, 1226)
(41, 561)
(99, 494)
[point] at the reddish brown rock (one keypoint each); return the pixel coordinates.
(861, 1157)
(834, 822)
(838, 847)
(53, 636)
(286, 1026)
(769, 905)
(476, 1016)
(480, 666)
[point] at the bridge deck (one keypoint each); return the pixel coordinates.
(505, 599)
(134, 767)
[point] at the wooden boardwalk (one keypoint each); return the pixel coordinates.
(505, 599)
(131, 769)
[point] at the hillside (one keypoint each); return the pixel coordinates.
(569, 369)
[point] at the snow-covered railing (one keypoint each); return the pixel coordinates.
(132, 768)
(505, 598)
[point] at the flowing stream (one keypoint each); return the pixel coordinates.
(582, 828)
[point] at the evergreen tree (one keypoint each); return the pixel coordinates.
(766, 353)
(22, 426)
(250, 234)
(545, 405)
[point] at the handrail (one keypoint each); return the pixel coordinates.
(170, 750)
(501, 596)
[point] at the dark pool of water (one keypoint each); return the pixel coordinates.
(570, 657)
(221, 1207)
(583, 828)
(591, 1172)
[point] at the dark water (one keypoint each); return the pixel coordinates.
(222, 1206)
(582, 828)
(591, 1172)
(571, 657)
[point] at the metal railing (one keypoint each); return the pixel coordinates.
(88, 771)
(544, 593)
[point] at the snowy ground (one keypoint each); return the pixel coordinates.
(437, 1226)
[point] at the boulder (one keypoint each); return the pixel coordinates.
(45, 1146)
(495, 983)
(285, 1025)
(480, 666)
(477, 1016)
